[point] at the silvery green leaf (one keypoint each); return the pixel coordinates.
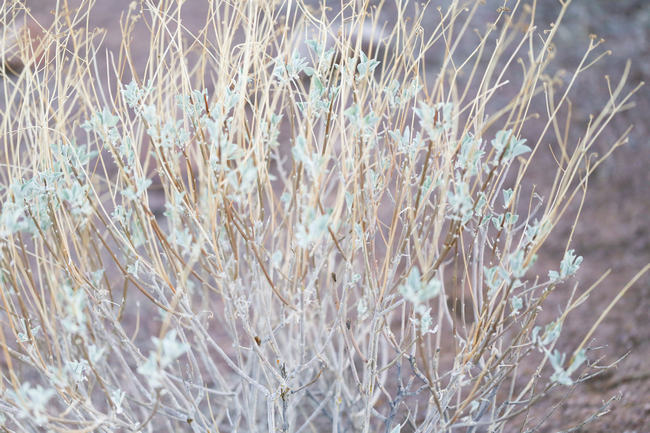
(569, 266)
(276, 258)
(411, 91)
(77, 370)
(95, 353)
(318, 227)
(518, 148)
(122, 215)
(133, 268)
(292, 69)
(348, 200)
(425, 320)
(460, 202)
(248, 175)
(553, 276)
(33, 401)
(570, 263)
(560, 375)
(76, 195)
(299, 151)
(366, 66)
(413, 279)
(150, 115)
(314, 45)
(446, 109)
(500, 140)
(551, 333)
(470, 154)
(426, 115)
(507, 195)
(117, 396)
(492, 278)
(481, 202)
(508, 147)
(435, 120)
(171, 348)
(150, 370)
(403, 140)
(431, 289)
(74, 302)
(358, 230)
(12, 219)
(579, 359)
(141, 185)
(182, 238)
(391, 92)
(407, 94)
(131, 94)
(95, 277)
(362, 308)
(193, 104)
(517, 264)
(353, 113)
(310, 72)
(516, 303)
(414, 291)
(23, 336)
(531, 231)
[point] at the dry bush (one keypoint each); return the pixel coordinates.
(347, 237)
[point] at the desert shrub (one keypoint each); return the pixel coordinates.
(284, 221)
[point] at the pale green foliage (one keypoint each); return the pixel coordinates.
(508, 147)
(33, 402)
(561, 375)
(419, 293)
(366, 67)
(336, 232)
(287, 72)
(167, 350)
(569, 266)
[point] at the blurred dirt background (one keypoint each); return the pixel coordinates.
(614, 226)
